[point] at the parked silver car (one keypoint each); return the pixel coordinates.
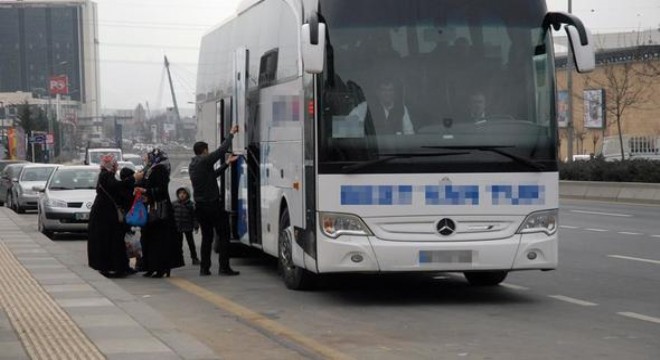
(23, 196)
(8, 177)
(67, 199)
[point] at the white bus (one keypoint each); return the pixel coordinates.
(359, 149)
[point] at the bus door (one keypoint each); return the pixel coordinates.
(253, 160)
(239, 176)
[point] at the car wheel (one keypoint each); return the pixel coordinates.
(486, 278)
(17, 207)
(294, 277)
(42, 228)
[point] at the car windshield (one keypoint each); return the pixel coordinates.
(74, 179)
(36, 173)
(420, 76)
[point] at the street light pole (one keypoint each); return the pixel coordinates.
(570, 129)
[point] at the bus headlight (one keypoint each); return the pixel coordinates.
(335, 225)
(545, 221)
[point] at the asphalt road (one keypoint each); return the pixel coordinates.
(602, 303)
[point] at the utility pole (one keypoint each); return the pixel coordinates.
(570, 129)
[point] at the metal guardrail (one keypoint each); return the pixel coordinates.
(638, 193)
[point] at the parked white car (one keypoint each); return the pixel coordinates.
(136, 160)
(67, 200)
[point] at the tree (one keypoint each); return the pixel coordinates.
(32, 119)
(627, 83)
(594, 138)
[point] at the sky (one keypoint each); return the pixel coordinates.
(134, 36)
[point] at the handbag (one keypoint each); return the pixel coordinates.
(120, 211)
(158, 211)
(137, 215)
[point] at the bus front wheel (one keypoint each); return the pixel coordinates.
(295, 278)
(485, 278)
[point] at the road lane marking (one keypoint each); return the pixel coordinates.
(260, 322)
(637, 316)
(650, 261)
(656, 236)
(600, 213)
(630, 233)
(568, 227)
(572, 300)
(514, 287)
(596, 230)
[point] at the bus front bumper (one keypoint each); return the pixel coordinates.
(371, 254)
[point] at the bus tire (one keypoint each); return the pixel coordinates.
(486, 278)
(294, 277)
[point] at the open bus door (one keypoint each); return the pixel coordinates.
(239, 181)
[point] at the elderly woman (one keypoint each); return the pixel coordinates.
(161, 250)
(106, 250)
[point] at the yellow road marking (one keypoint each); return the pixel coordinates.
(259, 320)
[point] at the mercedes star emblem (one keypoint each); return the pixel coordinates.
(446, 227)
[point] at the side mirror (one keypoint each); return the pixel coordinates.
(579, 39)
(583, 52)
(14, 179)
(39, 188)
(313, 46)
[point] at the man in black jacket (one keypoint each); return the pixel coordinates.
(209, 206)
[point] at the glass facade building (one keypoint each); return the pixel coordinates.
(38, 41)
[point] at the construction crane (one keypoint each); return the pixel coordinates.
(169, 77)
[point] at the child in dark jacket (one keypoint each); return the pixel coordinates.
(184, 216)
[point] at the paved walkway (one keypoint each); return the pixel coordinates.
(54, 307)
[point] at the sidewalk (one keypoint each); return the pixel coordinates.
(54, 307)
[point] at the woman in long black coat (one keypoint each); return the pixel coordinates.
(106, 250)
(161, 250)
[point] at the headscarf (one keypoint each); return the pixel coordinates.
(125, 173)
(109, 163)
(158, 157)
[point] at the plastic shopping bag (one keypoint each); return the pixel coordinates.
(133, 245)
(137, 216)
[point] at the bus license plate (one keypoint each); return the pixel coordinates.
(445, 257)
(82, 216)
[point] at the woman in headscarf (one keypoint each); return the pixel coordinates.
(106, 250)
(161, 251)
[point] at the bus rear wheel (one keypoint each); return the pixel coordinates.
(486, 278)
(295, 278)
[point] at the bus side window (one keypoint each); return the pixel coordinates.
(268, 68)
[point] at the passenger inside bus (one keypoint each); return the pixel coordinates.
(387, 110)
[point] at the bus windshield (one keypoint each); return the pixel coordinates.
(437, 86)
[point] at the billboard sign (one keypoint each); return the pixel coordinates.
(562, 108)
(594, 109)
(59, 84)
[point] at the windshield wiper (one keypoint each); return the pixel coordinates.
(497, 150)
(59, 188)
(388, 157)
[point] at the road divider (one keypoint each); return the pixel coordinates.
(636, 193)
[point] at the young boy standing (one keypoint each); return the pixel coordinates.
(184, 216)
